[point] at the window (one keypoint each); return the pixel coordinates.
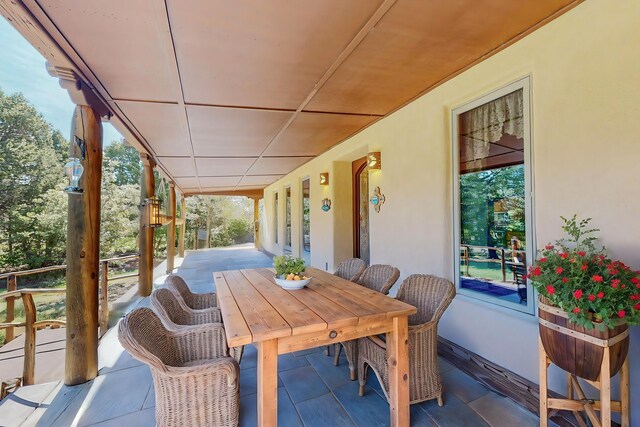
(275, 219)
(306, 221)
(287, 217)
(492, 181)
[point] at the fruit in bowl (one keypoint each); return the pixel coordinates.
(290, 272)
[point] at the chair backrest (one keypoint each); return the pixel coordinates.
(166, 304)
(351, 269)
(379, 277)
(178, 283)
(431, 295)
(142, 334)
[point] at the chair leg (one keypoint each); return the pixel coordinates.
(440, 401)
(362, 374)
(336, 357)
(353, 373)
(327, 350)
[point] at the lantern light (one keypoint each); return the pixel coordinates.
(73, 169)
(324, 178)
(152, 211)
(374, 160)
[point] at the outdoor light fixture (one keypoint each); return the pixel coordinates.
(324, 178)
(374, 161)
(152, 212)
(74, 169)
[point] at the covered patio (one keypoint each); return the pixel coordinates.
(311, 391)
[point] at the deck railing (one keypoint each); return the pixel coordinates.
(504, 255)
(31, 324)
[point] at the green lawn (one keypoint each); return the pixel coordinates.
(485, 270)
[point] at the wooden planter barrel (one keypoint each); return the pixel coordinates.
(577, 350)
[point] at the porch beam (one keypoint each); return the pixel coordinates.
(183, 226)
(83, 251)
(147, 189)
(171, 231)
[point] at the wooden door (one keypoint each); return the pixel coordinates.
(361, 209)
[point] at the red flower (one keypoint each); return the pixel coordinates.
(548, 247)
(582, 253)
(614, 283)
(621, 314)
(636, 307)
(584, 267)
(577, 310)
(623, 286)
(635, 281)
(592, 297)
(551, 289)
(600, 294)
(578, 294)
(564, 255)
(565, 280)
(559, 270)
(536, 271)
(597, 278)
(543, 259)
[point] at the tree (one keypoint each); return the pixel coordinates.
(124, 160)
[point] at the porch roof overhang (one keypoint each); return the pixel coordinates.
(228, 97)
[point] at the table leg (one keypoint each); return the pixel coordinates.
(267, 383)
(543, 365)
(398, 361)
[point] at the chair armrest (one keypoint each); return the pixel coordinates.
(423, 327)
(226, 367)
(206, 341)
(208, 315)
(378, 341)
(204, 301)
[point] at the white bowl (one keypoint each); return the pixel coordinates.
(291, 285)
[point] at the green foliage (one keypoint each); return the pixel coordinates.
(584, 282)
(286, 264)
(228, 219)
(124, 162)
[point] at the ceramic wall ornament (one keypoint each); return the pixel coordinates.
(326, 205)
(377, 199)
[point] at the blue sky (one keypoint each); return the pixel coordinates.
(22, 69)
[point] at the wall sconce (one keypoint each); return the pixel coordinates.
(324, 178)
(374, 160)
(153, 217)
(74, 169)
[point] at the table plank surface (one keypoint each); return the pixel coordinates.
(236, 328)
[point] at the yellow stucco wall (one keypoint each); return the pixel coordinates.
(585, 77)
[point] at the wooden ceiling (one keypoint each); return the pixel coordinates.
(231, 95)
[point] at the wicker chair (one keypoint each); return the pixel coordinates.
(175, 314)
(195, 383)
(193, 300)
(351, 269)
(431, 296)
(380, 278)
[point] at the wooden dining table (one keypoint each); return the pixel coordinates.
(328, 310)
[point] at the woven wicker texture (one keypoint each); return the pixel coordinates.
(194, 301)
(195, 383)
(380, 278)
(431, 296)
(351, 269)
(175, 314)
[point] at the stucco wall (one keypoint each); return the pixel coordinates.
(585, 77)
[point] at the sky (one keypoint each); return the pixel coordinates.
(22, 69)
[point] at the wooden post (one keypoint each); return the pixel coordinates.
(195, 239)
(398, 361)
(183, 226)
(145, 265)
(12, 285)
(256, 223)
(503, 266)
(83, 251)
(207, 243)
(171, 231)
(543, 364)
(104, 300)
(29, 366)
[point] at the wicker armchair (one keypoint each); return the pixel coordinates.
(175, 314)
(193, 300)
(351, 269)
(380, 278)
(431, 296)
(195, 383)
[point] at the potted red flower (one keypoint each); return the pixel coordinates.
(583, 290)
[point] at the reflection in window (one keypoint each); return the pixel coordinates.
(306, 221)
(287, 217)
(493, 218)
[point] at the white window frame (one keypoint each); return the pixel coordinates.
(276, 217)
(306, 178)
(524, 84)
(288, 216)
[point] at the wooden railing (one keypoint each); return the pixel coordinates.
(31, 324)
(465, 257)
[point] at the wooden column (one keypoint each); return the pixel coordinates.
(145, 265)
(256, 222)
(12, 285)
(83, 251)
(207, 243)
(183, 226)
(171, 231)
(29, 364)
